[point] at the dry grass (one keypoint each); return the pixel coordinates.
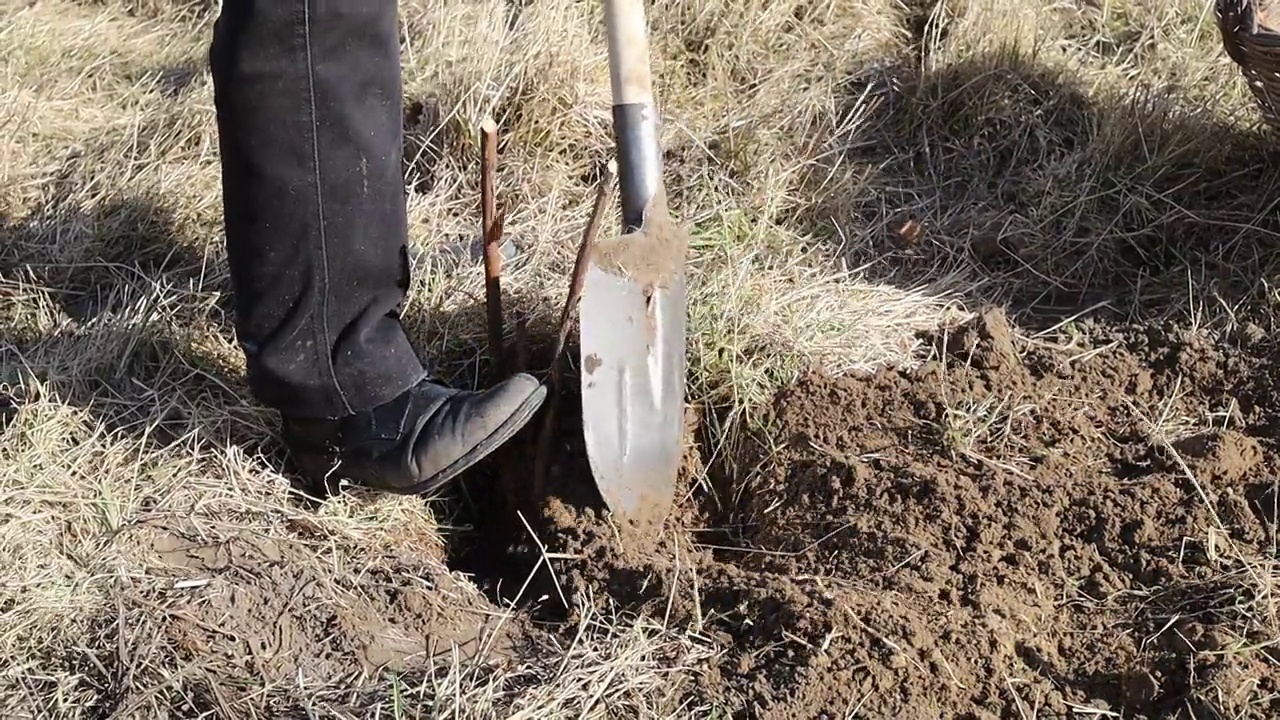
(1053, 153)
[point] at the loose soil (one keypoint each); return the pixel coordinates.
(272, 610)
(1017, 528)
(256, 624)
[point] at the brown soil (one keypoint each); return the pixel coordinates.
(259, 608)
(1012, 530)
(648, 255)
(1015, 529)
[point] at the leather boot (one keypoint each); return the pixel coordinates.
(419, 441)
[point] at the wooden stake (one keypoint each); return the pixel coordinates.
(491, 229)
(491, 223)
(542, 455)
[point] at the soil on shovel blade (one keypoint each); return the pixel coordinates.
(1014, 529)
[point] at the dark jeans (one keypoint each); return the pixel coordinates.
(308, 102)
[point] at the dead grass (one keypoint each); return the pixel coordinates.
(1054, 153)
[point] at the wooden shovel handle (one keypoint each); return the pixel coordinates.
(629, 70)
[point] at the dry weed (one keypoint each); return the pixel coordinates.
(1047, 151)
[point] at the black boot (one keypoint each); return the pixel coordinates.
(417, 442)
(309, 115)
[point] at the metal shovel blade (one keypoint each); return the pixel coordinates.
(633, 370)
(632, 313)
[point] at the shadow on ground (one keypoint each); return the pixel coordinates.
(116, 311)
(1006, 180)
(126, 332)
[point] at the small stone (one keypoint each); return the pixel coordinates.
(507, 248)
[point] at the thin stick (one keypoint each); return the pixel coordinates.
(580, 268)
(491, 228)
(542, 454)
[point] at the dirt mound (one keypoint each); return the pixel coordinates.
(1018, 528)
(274, 610)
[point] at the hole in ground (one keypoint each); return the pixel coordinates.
(499, 518)
(692, 575)
(499, 507)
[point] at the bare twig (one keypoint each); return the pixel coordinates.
(542, 455)
(491, 227)
(580, 270)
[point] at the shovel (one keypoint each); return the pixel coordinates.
(632, 316)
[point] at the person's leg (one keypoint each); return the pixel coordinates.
(309, 119)
(308, 100)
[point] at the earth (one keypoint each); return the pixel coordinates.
(1071, 524)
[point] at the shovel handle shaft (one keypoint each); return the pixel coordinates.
(635, 117)
(628, 36)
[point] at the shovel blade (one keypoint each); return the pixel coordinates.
(633, 371)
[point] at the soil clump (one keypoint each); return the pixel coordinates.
(1015, 528)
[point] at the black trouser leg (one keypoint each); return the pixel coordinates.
(309, 119)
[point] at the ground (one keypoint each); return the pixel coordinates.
(984, 390)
